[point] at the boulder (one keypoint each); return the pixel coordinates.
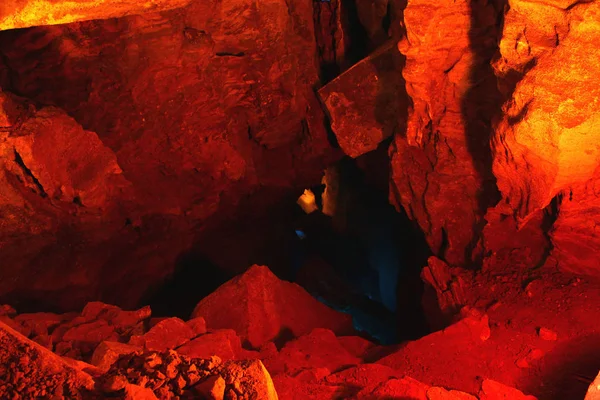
(198, 325)
(248, 377)
(212, 388)
(108, 352)
(366, 103)
(465, 343)
(260, 307)
(319, 349)
(167, 334)
(223, 343)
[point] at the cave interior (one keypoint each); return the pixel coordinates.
(300, 199)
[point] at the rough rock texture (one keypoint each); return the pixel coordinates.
(546, 143)
(200, 115)
(441, 167)
(448, 288)
(375, 108)
(261, 308)
(28, 369)
(25, 13)
(594, 390)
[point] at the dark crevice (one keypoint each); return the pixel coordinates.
(551, 213)
(30, 175)
(229, 54)
(481, 105)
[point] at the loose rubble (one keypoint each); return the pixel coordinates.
(118, 354)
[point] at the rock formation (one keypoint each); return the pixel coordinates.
(190, 113)
(441, 171)
(127, 354)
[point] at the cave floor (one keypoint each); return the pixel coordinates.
(535, 330)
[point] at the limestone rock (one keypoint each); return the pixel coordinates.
(223, 343)
(319, 349)
(441, 167)
(199, 107)
(550, 136)
(260, 307)
(213, 388)
(25, 13)
(250, 378)
(420, 359)
(438, 393)
(366, 103)
(37, 372)
(167, 334)
(492, 390)
(396, 388)
(198, 325)
(593, 392)
(449, 289)
(108, 352)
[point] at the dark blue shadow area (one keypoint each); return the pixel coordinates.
(369, 259)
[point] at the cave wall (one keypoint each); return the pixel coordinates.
(441, 165)
(127, 141)
(500, 153)
(190, 112)
(546, 145)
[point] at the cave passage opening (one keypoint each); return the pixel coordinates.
(357, 254)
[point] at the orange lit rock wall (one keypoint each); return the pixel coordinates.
(191, 111)
(547, 142)
(441, 167)
(26, 13)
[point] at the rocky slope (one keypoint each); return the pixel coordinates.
(105, 351)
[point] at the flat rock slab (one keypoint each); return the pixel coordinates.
(366, 103)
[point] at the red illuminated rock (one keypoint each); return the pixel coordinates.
(25, 13)
(223, 343)
(366, 102)
(492, 390)
(108, 352)
(542, 130)
(461, 342)
(198, 325)
(27, 368)
(574, 236)
(356, 345)
(198, 107)
(395, 388)
(550, 136)
(320, 349)
(441, 167)
(363, 376)
(593, 392)
(250, 378)
(167, 334)
(449, 288)
(260, 307)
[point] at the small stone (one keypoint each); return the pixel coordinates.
(212, 388)
(115, 383)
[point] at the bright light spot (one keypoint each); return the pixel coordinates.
(307, 201)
